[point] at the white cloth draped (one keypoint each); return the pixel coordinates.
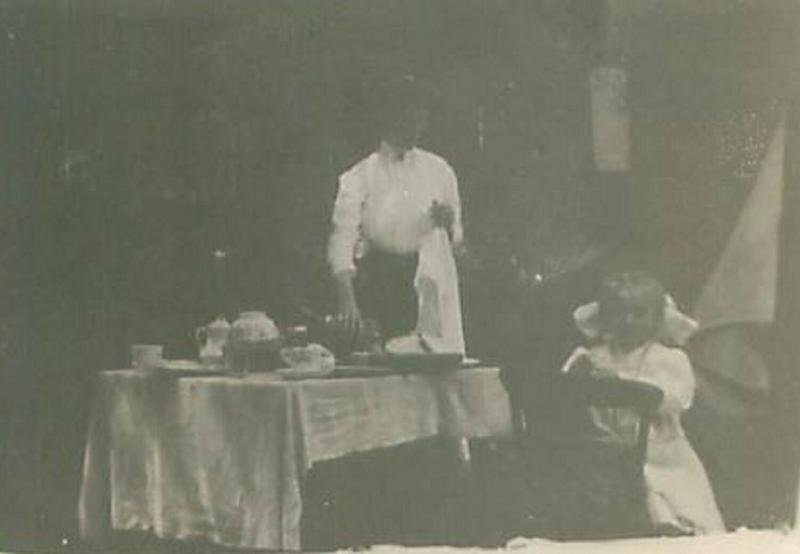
(742, 287)
(437, 290)
(222, 458)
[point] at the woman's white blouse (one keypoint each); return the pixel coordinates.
(386, 202)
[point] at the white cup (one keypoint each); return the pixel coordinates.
(146, 356)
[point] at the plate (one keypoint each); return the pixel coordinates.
(470, 362)
(182, 365)
(188, 368)
(424, 362)
(345, 371)
(292, 374)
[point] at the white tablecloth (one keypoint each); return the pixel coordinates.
(221, 458)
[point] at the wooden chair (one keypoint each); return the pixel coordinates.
(580, 486)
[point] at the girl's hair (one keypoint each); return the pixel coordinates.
(638, 283)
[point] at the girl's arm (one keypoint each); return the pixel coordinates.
(579, 357)
(676, 379)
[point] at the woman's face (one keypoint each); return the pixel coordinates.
(405, 130)
(632, 318)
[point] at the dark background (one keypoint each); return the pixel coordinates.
(140, 137)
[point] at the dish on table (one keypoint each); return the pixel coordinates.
(367, 363)
(297, 374)
(186, 368)
(345, 371)
(182, 365)
(424, 361)
(310, 357)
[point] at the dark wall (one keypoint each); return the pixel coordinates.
(707, 87)
(145, 136)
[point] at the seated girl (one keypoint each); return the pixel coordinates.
(632, 324)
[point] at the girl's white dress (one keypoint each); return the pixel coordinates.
(677, 485)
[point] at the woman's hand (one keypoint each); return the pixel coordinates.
(349, 315)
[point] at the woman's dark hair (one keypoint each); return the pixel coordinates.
(396, 95)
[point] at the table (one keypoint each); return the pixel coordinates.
(221, 458)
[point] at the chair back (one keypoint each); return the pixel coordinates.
(570, 395)
(611, 392)
(584, 489)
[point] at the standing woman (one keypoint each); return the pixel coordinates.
(396, 221)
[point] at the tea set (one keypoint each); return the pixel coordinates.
(253, 343)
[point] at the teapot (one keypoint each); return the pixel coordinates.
(212, 340)
(254, 327)
(253, 343)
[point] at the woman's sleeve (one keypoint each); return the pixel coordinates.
(453, 199)
(346, 223)
(676, 379)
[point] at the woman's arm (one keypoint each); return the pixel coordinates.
(346, 223)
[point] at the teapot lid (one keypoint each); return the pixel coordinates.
(219, 322)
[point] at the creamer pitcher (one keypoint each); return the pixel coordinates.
(211, 340)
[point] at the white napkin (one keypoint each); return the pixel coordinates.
(436, 281)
